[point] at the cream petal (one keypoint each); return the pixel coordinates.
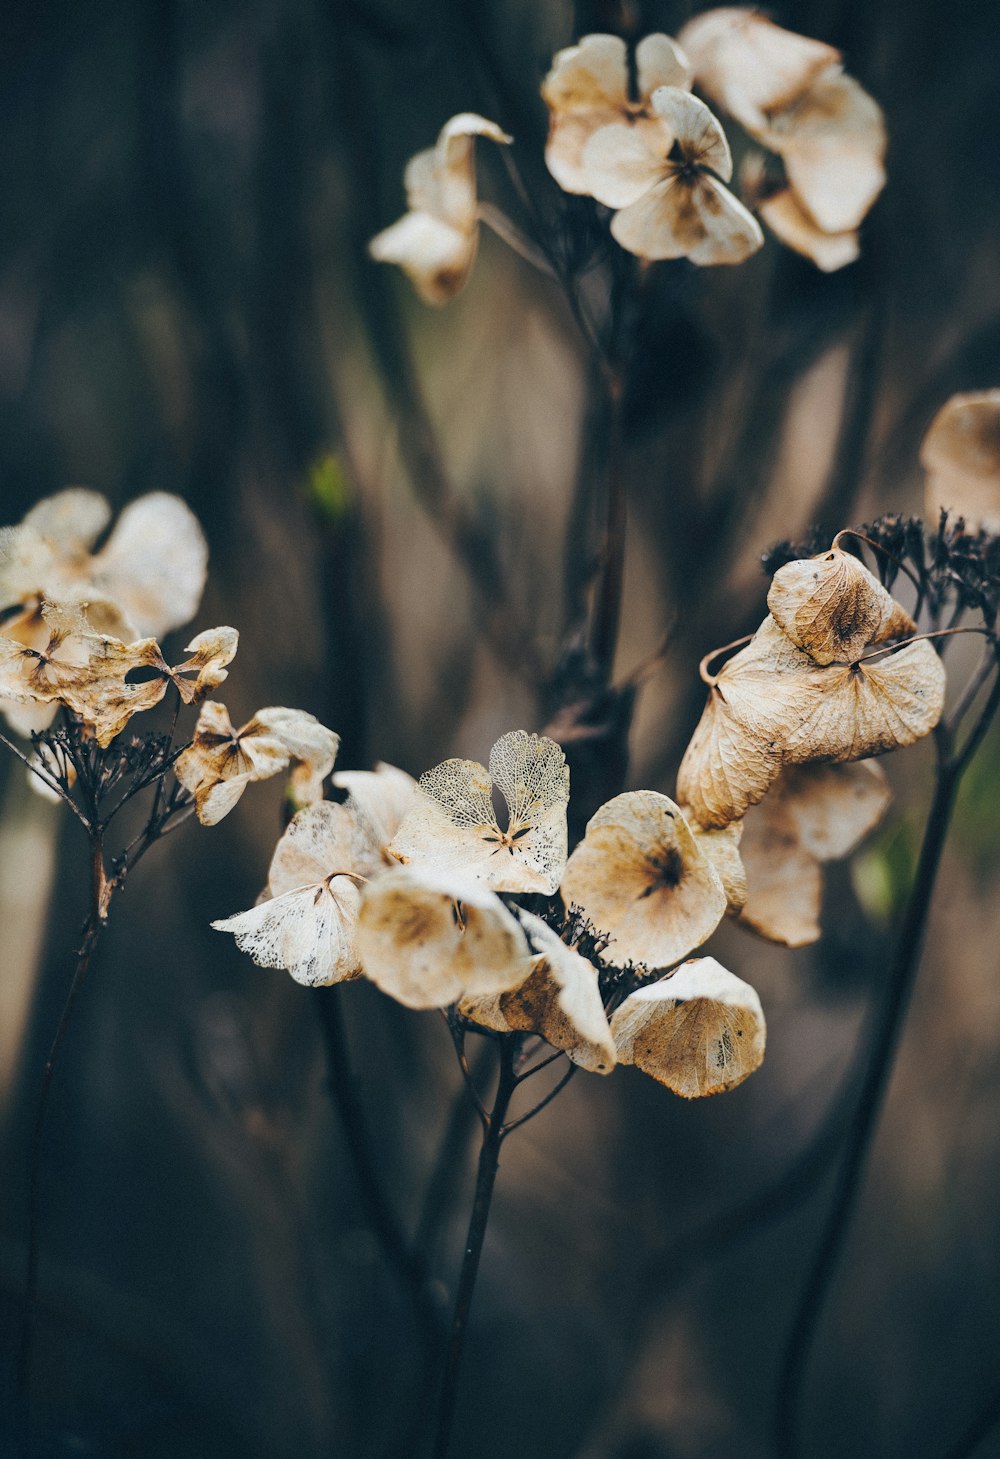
(441, 180)
(662, 224)
(586, 89)
(215, 800)
(660, 61)
(731, 233)
(621, 163)
(154, 564)
(793, 226)
(722, 848)
(784, 883)
(435, 256)
(641, 878)
(384, 796)
(427, 940)
(210, 654)
(697, 131)
(833, 607)
(310, 932)
(699, 1032)
(961, 455)
(72, 520)
(26, 565)
(306, 741)
(318, 842)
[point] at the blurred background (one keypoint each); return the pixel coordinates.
(401, 505)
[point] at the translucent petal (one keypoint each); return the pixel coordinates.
(697, 131)
(320, 841)
(790, 223)
(833, 607)
(310, 932)
(306, 741)
(695, 218)
(71, 521)
(154, 564)
(621, 163)
(427, 940)
(435, 256)
(383, 796)
(699, 1032)
(641, 878)
(660, 61)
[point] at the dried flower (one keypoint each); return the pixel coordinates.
(453, 826)
(961, 455)
(669, 187)
(588, 88)
(435, 242)
(833, 607)
(699, 1031)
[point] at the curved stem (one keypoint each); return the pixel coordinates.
(489, 1160)
(863, 1123)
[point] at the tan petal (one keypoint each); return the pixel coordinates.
(319, 842)
(383, 796)
(660, 61)
(731, 233)
(696, 130)
(309, 743)
(427, 940)
(641, 878)
(831, 807)
(586, 89)
(310, 932)
(784, 882)
(833, 142)
(217, 798)
(99, 691)
(560, 999)
(698, 219)
(789, 222)
(833, 607)
(70, 521)
(699, 1032)
(456, 167)
(206, 669)
(961, 455)
(722, 848)
(621, 163)
(154, 564)
(749, 65)
(435, 256)
(26, 566)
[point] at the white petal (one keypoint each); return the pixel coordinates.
(796, 229)
(154, 564)
(384, 796)
(72, 520)
(318, 842)
(660, 61)
(698, 132)
(435, 256)
(731, 233)
(621, 163)
(309, 932)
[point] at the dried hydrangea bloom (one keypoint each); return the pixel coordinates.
(670, 195)
(428, 938)
(222, 761)
(700, 1031)
(812, 814)
(833, 607)
(435, 242)
(383, 796)
(560, 1000)
(308, 924)
(454, 827)
(961, 455)
(152, 568)
(640, 875)
(588, 88)
(792, 226)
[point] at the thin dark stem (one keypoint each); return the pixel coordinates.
(403, 1260)
(608, 600)
(489, 1160)
(863, 1123)
(537, 1109)
(440, 1187)
(47, 780)
(457, 1031)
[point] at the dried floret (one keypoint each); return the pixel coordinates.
(670, 189)
(833, 607)
(640, 875)
(454, 827)
(588, 88)
(435, 242)
(699, 1031)
(384, 796)
(812, 814)
(788, 221)
(428, 938)
(961, 455)
(560, 1000)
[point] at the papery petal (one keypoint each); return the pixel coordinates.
(621, 163)
(699, 1031)
(384, 796)
(586, 89)
(641, 878)
(318, 842)
(833, 607)
(211, 652)
(99, 691)
(427, 940)
(310, 932)
(793, 226)
(456, 167)
(308, 742)
(154, 564)
(26, 565)
(731, 233)
(216, 799)
(698, 132)
(435, 256)
(660, 61)
(71, 520)
(722, 848)
(961, 455)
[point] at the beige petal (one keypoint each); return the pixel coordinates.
(833, 607)
(99, 690)
(699, 1032)
(560, 999)
(785, 883)
(641, 878)
(831, 807)
(621, 163)
(435, 256)
(71, 521)
(456, 167)
(833, 142)
(26, 566)
(731, 233)
(319, 842)
(699, 219)
(790, 223)
(427, 939)
(961, 455)
(722, 848)
(749, 65)
(310, 932)
(587, 88)
(210, 654)
(309, 743)
(384, 796)
(660, 61)
(697, 131)
(154, 564)
(215, 799)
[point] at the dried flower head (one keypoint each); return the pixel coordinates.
(642, 877)
(435, 242)
(453, 826)
(669, 187)
(588, 88)
(428, 938)
(961, 455)
(699, 1031)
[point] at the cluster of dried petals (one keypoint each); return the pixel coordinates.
(961, 456)
(816, 683)
(669, 185)
(435, 242)
(222, 761)
(812, 814)
(453, 826)
(646, 881)
(699, 1031)
(792, 95)
(588, 88)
